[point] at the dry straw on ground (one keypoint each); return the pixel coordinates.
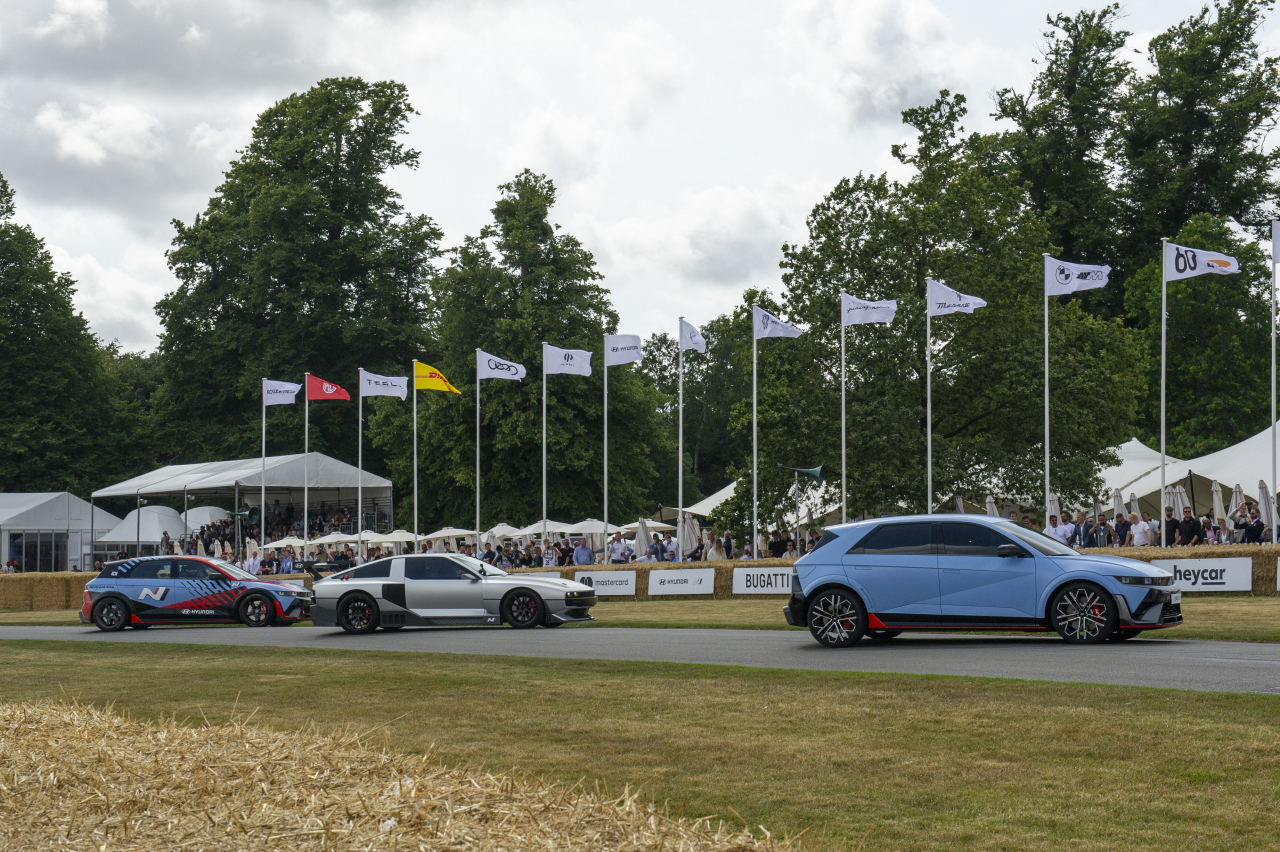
(76, 777)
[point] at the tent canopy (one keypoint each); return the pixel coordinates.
(448, 532)
(155, 521)
(283, 473)
(51, 510)
(200, 516)
(707, 506)
(1136, 460)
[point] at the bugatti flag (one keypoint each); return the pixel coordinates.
(371, 384)
(767, 325)
(1061, 278)
(944, 300)
(576, 362)
(860, 312)
(318, 389)
(691, 338)
(490, 367)
(1182, 262)
(279, 393)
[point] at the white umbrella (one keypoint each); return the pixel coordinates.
(1117, 503)
(991, 507)
(535, 528)
(332, 538)
(959, 504)
(288, 541)
(1133, 505)
(642, 536)
(1237, 497)
(654, 526)
(1178, 500)
(591, 525)
(1266, 509)
(200, 547)
(449, 532)
(689, 536)
(251, 544)
(1053, 507)
(216, 549)
(504, 531)
(1219, 511)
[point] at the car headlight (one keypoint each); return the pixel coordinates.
(586, 593)
(1146, 581)
(292, 593)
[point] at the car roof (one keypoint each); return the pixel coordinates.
(905, 519)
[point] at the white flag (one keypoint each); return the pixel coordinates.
(767, 325)
(371, 384)
(489, 367)
(860, 312)
(1061, 278)
(1182, 262)
(576, 362)
(691, 338)
(279, 393)
(944, 300)
(621, 349)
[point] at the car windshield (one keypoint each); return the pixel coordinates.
(234, 572)
(484, 569)
(1034, 539)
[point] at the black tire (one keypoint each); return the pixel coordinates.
(1122, 635)
(837, 619)
(256, 611)
(882, 635)
(523, 609)
(358, 614)
(1083, 613)
(111, 614)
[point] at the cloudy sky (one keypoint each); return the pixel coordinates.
(688, 140)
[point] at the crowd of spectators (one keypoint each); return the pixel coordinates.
(1244, 526)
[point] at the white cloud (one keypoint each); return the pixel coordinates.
(640, 66)
(567, 148)
(119, 300)
(192, 35)
(96, 133)
(75, 20)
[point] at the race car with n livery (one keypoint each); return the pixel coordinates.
(151, 590)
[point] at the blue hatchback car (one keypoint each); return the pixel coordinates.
(880, 577)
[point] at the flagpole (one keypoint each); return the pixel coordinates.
(360, 467)
(1046, 393)
(1164, 288)
(544, 443)
(680, 450)
(844, 459)
(928, 408)
(306, 450)
(605, 367)
(755, 487)
(1273, 376)
(413, 371)
(262, 505)
(477, 449)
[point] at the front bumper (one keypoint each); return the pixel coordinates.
(1155, 611)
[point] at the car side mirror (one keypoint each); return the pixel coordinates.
(1010, 550)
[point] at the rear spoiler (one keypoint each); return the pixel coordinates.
(310, 567)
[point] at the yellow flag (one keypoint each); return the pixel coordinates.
(429, 378)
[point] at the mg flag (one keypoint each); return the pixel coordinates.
(767, 325)
(575, 362)
(279, 393)
(318, 389)
(691, 338)
(491, 367)
(1182, 262)
(944, 300)
(1062, 278)
(855, 311)
(621, 349)
(426, 377)
(371, 384)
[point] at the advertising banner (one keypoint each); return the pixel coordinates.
(682, 581)
(762, 581)
(1210, 575)
(608, 582)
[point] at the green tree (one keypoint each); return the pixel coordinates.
(305, 260)
(517, 284)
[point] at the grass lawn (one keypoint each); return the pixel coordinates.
(862, 761)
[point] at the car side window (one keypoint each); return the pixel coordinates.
(898, 540)
(156, 570)
(189, 569)
(970, 540)
(433, 568)
(381, 568)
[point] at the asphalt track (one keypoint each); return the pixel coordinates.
(1170, 663)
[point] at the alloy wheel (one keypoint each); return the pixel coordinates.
(835, 619)
(1082, 614)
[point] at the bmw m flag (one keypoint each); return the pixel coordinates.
(767, 325)
(575, 362)
(691, 338)
(279, 393)
(491, 367)
(371, 384)
(622, 349)
(1062, 278)
(944, 300)
(855, 311)
(1182, 262)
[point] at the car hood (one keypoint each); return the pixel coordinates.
(1110, 565)
(536, 582)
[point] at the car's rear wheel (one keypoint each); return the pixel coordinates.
(1083, 613)
(523, 609)
(837, 619)
(882, 635)
(256, 611)
(110, 614)
(358, 613)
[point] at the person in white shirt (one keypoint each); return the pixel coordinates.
(550, 556)
(1056, 530)
(1141, 532)
(358, 559)
(617, 550)
(254, 566)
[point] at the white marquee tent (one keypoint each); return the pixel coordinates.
(147, 528)
(200, 516)
(48, 531)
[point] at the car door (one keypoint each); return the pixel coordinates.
(897, 567)
(439, 587)
(204, 592)
(978, 586)
(150, 586)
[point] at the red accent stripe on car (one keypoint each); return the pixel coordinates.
(874, 623)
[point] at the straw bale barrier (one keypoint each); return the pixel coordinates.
(62, 590)
(76, 777)
(1263, 556)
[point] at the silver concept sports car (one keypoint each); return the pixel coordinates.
(435, 590)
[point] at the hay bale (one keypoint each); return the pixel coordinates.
(80, 778)
(15, 590)
(49, 591)
(1263, 558)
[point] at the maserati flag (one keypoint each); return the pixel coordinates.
(621, 349)
(860, 312)
(489, 367)
(1061, 278)
(371, 384)
(576, 362)
(1182, 262)
(319, 389)
(944, 300)
(767, 325)
(279, 393)
(691, 338)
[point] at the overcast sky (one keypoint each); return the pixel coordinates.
(688, 140)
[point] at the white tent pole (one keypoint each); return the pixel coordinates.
(605, 367)
(1164, 315)
(544, 445)
(306, 460)
(262, 498)
(477, 446)
(755, 486)
(413, 368)
(680, 448)
(138, 525)
(844, 458)
(1046, 398)
(360, 467)
(928, 410)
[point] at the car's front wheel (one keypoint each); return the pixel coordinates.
(358, 614)
(523, 609)
(110, 614)
(837, 618)
(255, 611)
(1083, 613)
